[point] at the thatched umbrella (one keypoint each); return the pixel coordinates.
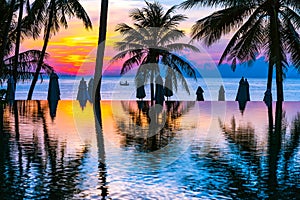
(199, 94)
(168, 90)
(221, 94)
(82, 94)
(242, 91)
(53, 94)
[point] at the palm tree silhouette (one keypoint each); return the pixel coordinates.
(151, 41)
(266, 27)
(99, 59)
(55, 13)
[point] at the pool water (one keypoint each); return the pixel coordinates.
(179, 150)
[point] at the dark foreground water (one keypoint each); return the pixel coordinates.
(183, 150)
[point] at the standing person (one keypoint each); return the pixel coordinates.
(199, 94)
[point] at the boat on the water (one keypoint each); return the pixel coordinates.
(124, 83)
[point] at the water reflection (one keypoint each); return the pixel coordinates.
(150, 128)
(34, 162)
(254, 155)
(251, 168)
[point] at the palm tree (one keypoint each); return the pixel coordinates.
(99, 58)
(55, 14)
(267, 27)
(6, 22)
(150, 41)
(26, 64)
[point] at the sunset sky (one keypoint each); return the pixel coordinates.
(72, 51)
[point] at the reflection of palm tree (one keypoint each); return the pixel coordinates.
(268, 26)
(56, 12)
(54, 180)
(264, 172)
(241, 138)
(136, 131)
(101, 152)
(150, 41)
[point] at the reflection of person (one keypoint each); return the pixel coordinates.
(199, 94)
(221, 94)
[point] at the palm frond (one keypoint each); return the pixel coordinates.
(214, 3)
(135, 59)
(181, 46)
(80, 13)
(27, 64)
(183, 65)
(167, 36)
(222, 22)
(255, 18)
(291, 40)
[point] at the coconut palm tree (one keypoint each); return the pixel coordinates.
(150, 41)
(55, 14)
(99, 59)
(6, 22)
(26, 65)
(20, 64)
(267, 27)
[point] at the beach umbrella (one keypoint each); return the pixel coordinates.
(242, 91)
(159, 90)
(10, 92)
(53, 94)
(82, 94)
(53, 89)
(199, 94)
(247, 90)
(140, 89)
(90, 89)
(221, 94)
(168, 90)
(140, 92)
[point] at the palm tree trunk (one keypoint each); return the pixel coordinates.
(278, 57)
(100, 56)
(270, 76)
(6, 31)
(279, 83)
(41, 59)
(18, 41)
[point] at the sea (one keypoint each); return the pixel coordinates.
(111, 89)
